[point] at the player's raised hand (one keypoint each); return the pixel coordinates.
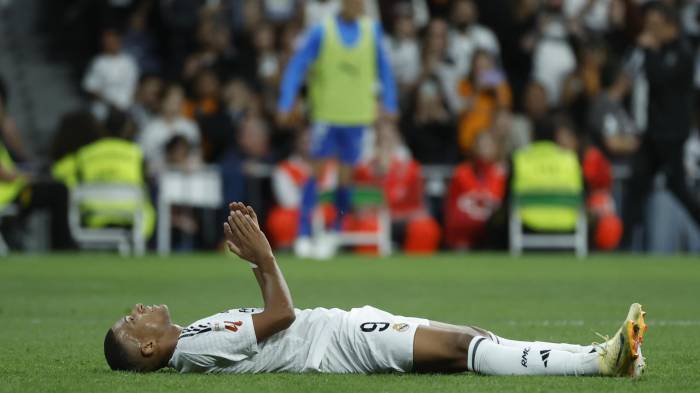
(245, 239)
(248, 210)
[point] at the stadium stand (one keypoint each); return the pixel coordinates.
(203, 84)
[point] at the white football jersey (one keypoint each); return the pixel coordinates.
(226, 343)
(362, 340)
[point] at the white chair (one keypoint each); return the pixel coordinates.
(126, 240)
(519, 240)
(202, 189)
(8, 211)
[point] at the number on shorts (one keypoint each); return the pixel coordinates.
(369, 327)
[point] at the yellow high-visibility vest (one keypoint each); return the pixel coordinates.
(548, 186)
(9, 190)
(106, 161)
(343, 80)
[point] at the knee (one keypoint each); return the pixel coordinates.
(461, 346)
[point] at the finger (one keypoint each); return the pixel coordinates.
(237, 206)
(238, 218)
(235, 229)
(249, 224)
(252, 224)
(251, 212)
(233, 248)
(228, 234)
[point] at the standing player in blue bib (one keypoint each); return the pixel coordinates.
(345, 56)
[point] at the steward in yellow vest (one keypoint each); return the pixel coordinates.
(29, 194)
(109, 160)
(547, 184)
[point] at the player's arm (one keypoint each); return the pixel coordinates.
(297, 67)
(245, 239)
(386, 75)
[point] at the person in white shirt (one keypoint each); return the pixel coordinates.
(467, 36)
(404, 49)
(112, 77)
(280, 338)
(168, 124)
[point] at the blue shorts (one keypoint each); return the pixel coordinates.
(342, 142)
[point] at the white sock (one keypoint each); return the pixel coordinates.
(487, 357)
(573, 348)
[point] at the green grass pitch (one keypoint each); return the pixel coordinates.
(54, 311)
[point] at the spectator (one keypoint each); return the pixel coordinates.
(205, 100)
(438, 67)
(431, 129)
(467, 36)
(219, 130)
(30, 194)
(169, 123)
(667, 64)
(536, 109)
(583, 84)
(112, 76)
(518, 38)
(215, 52)
(510, 132)
(404, 49)
(280, 11)
(484, 93)
(588, 16)
(243, 167)
(553, 58)
(399, 176)
(605, 224)
(140, 43)
(184, 222)
(146, 101)
(9, 133)
(609, 122)
(475, 193)
(268, 64)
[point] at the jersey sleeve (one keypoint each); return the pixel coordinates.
(215, 342)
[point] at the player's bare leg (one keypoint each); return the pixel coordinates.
(448, 348)
(438, 349)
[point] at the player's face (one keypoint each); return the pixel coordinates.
(143, 323)
(352, 9)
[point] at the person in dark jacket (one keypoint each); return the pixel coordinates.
(666, 61)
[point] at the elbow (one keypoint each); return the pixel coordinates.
(287, 319)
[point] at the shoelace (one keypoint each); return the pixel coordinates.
(604, 345)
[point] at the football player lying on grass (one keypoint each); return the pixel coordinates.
(280, 338)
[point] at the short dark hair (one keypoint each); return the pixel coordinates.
(116, 355)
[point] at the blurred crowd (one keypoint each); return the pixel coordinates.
(198, 82)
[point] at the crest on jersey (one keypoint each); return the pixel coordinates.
(194, 330)
(232, 326)
(400, 327)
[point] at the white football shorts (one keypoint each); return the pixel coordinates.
(369, 340)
